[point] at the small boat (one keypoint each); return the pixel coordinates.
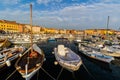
(33, 61)
(51, 39)
(10, 54)
(4, 43)
(110, 51)
(22, 41)
(67, 58)
(61, 39)
(95, 54)
(77, 41)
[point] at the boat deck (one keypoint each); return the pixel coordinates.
(32, 61)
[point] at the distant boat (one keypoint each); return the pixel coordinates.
(94, 54)
(10, 54)
(67, 58)
(22, 41)
(61, 39)
(110, 51)
(51, 39)
(4, 43)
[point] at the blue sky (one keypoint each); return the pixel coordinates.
(63, 14)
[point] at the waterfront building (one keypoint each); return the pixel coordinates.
(36, 29)
(99, 31)
(80, 32)
(51, 30)
(21, 28)
(9, 26)
(117, 32)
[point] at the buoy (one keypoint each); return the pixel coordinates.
(8, 63)
(44, 59)
(20, 55)
(52, 52)
(56, 63)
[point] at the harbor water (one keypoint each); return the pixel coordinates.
(88, 71)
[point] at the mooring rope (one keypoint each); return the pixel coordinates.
(73, 75)
(59, 73)
(38, 75)
(48, 74)
(88, 72)
(11, 74)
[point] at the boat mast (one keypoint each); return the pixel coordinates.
(107, 27)
(31, 26)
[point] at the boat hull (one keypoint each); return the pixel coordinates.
(34, 64)
(71, 66)
(101, 63)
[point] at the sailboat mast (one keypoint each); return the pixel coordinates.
(31, 26)
(107, 27)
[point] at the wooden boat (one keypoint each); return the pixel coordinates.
(67, 58)
(10, 54)
(33, 61)
(4, 43)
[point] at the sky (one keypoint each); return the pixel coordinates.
(63, 14)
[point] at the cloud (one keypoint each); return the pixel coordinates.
(9, 2)
(80, 16)
(27, 5)
(45, 2)
(110, 1)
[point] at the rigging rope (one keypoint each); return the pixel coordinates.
(89, 72)
(48, 74)
(11, 74)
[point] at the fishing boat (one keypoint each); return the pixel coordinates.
(95, 54)
(67, 58)
(10, 54)
(4, 43)
(32, 59)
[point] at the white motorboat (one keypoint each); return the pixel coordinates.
(67, 58)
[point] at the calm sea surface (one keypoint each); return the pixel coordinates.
(88, 71)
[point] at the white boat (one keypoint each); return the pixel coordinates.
(10, 54)
(23, 40)
(33, 61)
(67, 58)
(96, 55)
(111, 51)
